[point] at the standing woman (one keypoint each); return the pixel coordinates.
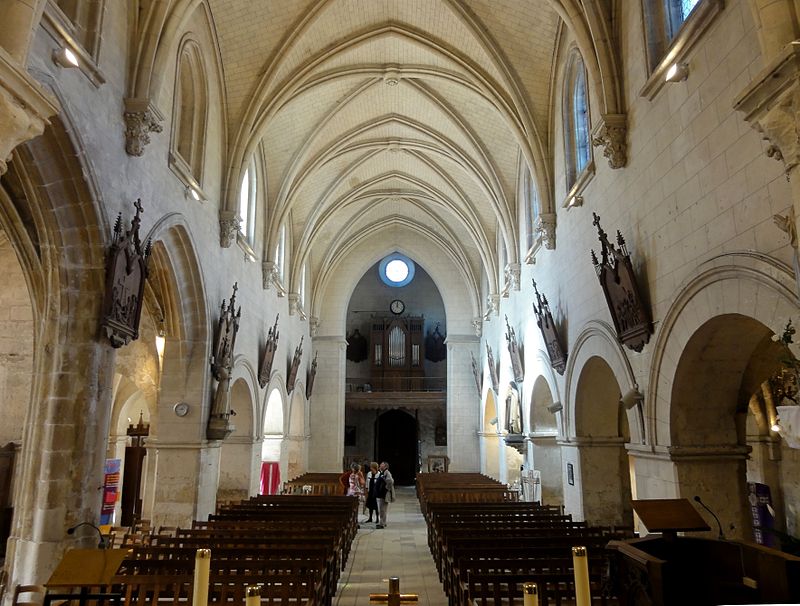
(372, 499)
(356, 481)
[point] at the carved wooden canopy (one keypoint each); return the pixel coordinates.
(126, 273)
(544, 319)
(312, 373)
(513, 351)
(292, 376)
(476, 373)
(492, 369)
(225, 337)
(265, 370)
(615, 271)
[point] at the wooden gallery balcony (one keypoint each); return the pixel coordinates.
(409, 392)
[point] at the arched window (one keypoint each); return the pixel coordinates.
(303, 286)
(85, 19)
(189, 116)
(576, 118)
(677, 11)
(247, 202)
(280, 252)
(530, 207)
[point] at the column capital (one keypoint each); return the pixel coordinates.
(771, 104)
(611, 133)
(24, 107)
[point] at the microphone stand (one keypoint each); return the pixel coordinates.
(101, 544)
(721, 537)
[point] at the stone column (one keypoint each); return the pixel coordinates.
(186, 481)
(546, 457)
(600, 493)
(326, 415)
(296, 449)
(24, 105)
(491, 449)
(718, 474)
(463, 403)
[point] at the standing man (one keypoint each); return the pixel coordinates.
(385, 493)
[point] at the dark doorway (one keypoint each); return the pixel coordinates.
(396, 443)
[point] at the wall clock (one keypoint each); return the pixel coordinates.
(397, 307)
(181, 409)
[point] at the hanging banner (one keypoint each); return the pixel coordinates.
(110, 490)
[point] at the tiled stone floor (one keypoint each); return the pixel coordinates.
(400, 549)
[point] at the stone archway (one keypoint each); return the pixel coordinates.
(490, 437)
(272, 433)
(237, 473)
(599, 484)
(545, 451)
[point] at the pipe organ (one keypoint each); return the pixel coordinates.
(398, 351)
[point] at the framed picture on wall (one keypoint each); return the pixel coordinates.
(570, 474)
(440, 435)
(349, 435)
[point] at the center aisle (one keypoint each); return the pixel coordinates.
(399, 550)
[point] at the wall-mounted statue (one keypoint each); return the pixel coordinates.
(544, 319)
(265, 370)
(312, 373)
(222, 367)
(126, 273)
(492, 369)
(292, 376)
(513, 410)
(435, 349)
(513, 351)
(357, 347)
(615, 271)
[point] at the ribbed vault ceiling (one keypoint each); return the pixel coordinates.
(380, 112)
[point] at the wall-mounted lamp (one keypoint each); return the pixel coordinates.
(493, 421)
(555, 407)
(631, 398)
(776, 426)
(677, 72)
(575, 201)
(191, 192)
(65, 57)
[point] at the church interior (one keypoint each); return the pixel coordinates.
(552, 242)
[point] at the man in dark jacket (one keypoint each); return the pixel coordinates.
(384, 490)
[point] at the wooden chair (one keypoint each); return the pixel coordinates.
(35, 595)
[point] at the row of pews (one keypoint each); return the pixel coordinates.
(487, 545)
(292, 547)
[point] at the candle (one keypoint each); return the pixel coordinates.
(580, 564)
(253, 595)
(202, 568)
(530, 594)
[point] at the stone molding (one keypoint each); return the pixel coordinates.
(229, 222)
(512, 275)
(492, 306)
(24, 107)
(771, 104)
(141, 119)
(611, 133)
(477, 324)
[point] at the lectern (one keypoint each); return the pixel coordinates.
(86, 569)
(666, 569)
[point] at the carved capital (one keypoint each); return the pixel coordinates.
(611, 132)
(771, 104)
(269, 275)
(295, 306)
(229, 222)
(477, 324)
(512, 273)
(492, 306)
(24, 107)
(313, 325)
(141, 119)
(545, 228)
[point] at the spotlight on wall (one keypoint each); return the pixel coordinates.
(193, 193)
(631, 398)
(776, 426)
(575, 201)
(555, 407)
(64, 57)
(677, 72)
(493, 421)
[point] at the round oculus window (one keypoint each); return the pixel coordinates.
(396, 270)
